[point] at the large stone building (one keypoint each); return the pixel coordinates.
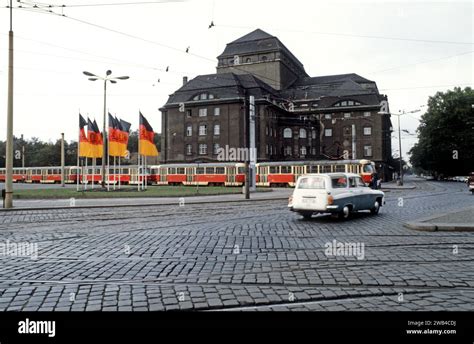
(298, 117)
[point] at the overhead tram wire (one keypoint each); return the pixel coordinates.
(106, 4)
(45, 11)
(356, 35)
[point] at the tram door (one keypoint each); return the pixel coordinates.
(163, 174)
(263, 174)
(230, 174)
(134, 175)
(189, 174)
(298, 171)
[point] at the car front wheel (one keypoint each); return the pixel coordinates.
(375, 209)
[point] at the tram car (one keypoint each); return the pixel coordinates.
(286, 173)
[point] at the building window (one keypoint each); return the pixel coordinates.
(271, 131)
(264, 58)
(327, 132)
(287, 134)
(302, 133)
(367, 131)
(266, 149)
(303, 151)
(202, 112)
(248, 60)
(347, 115)
(216, 148)
(288, 150)
(189, 149)
(313, 134)
(211, 96)
(266, 130)
(202, 149)
(217, 111)
(271, 150)
(203, 96)
(189, 113)
(313, 151)
(217, 129)
(327, 116)
(189, 130)
(367, 150)
(203, 130)
(366, 113)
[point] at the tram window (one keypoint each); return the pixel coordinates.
(125, 171)
(340, 168)
(172, 170)
(368, 168)
(180, 170)
(241, 170)
(312, 169)
(220, 170)
(273, 169)
(285, 169)
(200, 170)
(209, 170)
(326, 169)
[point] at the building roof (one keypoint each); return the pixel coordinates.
(257, 41)
(222, 86)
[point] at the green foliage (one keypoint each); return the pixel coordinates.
(446, 134)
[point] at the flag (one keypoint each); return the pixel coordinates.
(114, 144)
(95, 139)
(146, 137)
(124, 129)
(84, 144)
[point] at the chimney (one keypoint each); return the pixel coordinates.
(185, 80)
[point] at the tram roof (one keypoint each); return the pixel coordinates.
(314, 162)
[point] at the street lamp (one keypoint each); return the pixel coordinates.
(400, 140)
(112, 80)
(8, 203)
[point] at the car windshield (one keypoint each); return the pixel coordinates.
(311, 183)
(339, 182)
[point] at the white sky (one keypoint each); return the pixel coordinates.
(52, 51)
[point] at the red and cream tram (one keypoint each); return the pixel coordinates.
(287, 172)
(225, 174)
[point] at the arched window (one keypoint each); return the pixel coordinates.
(287, 133)
(248, 60)
(347, 103)
(264, 58)
(302, 133)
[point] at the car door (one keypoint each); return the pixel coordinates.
(357, 193)
(366, 195)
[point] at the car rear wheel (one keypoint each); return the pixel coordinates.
(345, 213)
(375, 209)
(307, 215)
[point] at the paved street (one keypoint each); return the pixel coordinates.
(238, 256)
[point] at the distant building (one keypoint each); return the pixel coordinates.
(298, 117)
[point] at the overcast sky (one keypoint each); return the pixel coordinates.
(410, 48)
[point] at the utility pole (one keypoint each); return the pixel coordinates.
(9, 145)
(253, 150)
(62, 159)
(400, 150)
(246, 141)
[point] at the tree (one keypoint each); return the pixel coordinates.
(446, 134)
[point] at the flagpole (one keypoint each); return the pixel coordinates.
(115, 173)
(108, 160)
(93, 173)
(78, 154)
(120, 173)
(138, 159)
(85, 174)
(145, 182)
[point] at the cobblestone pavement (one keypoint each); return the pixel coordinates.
(237, 256)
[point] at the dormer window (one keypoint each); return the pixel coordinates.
(344, 103)
(203, 96)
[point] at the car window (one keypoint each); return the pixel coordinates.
(353, 182)
(339, 182)
(360, 182)
(311, 183)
